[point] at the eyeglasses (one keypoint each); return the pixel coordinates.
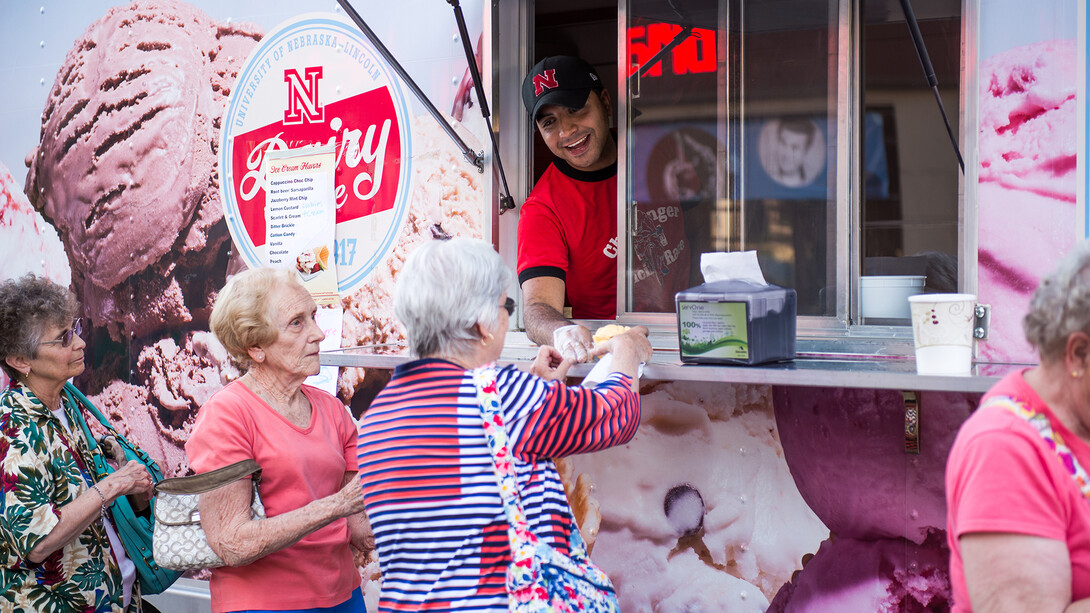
(66, 338)
(509, 304)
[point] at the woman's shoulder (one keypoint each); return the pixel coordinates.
(995, 430)
(15, 401)
(322, 399)
(229, 403)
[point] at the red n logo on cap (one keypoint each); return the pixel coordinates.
(545, 80)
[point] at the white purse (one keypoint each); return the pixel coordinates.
(179, 541)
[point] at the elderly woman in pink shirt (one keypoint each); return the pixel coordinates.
(301, 557)
(1017, 492)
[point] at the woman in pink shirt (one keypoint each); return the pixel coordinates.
(301, 557)
(1018, 498)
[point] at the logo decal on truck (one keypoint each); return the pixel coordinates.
(316, 80)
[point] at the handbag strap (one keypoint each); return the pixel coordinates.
(488, 399)
(1043, 426)
(92, 444)
(205, 482)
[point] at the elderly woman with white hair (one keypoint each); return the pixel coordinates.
(429, 484)
(1017, 491)
(300, 558)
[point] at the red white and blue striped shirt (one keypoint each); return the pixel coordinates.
(430, 490)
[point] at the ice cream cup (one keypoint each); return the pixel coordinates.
(942, 327)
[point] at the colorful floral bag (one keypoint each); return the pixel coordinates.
(540, 579)
(1052, 438)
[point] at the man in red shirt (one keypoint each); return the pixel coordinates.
(567, 234)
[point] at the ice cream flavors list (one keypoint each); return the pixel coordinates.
(293, 204)
(300, 217)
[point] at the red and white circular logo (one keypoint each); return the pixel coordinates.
(316, 80)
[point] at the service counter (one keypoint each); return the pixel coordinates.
(817, 365)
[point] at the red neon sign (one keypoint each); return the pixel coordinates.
(695, 54)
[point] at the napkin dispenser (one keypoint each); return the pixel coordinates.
(736, 322)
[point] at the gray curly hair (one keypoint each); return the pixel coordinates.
(29, 305)
(1061, 305)
(445, 288)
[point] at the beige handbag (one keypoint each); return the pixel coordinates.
(179, 541)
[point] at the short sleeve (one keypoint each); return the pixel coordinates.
(1002, 480)
(541, 241)
(29, 514)
(222, 433)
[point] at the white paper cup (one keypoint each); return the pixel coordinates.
(887, 295)
(942, 327)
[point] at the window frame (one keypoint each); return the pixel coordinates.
(839, 333)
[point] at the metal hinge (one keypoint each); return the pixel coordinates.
(912, 422)
(982, 314)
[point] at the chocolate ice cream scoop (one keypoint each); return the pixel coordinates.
(126, 167)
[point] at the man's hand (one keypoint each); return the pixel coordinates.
(549, 364)
(545, 325)
(574, 342)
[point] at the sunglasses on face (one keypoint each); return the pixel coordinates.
(509, 304)
(66, 338)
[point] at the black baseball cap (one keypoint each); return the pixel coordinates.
(559, 79)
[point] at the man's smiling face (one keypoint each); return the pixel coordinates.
(580, 137)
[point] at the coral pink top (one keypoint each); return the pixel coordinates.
(1002, 477)
(298, 465)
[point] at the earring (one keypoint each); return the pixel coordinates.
(1076, 374)
(484, 343)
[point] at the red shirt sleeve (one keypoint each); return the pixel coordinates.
(541, 240)
(1002, 480)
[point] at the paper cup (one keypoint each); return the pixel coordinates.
(942, 327)
(887, 295)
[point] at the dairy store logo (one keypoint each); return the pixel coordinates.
(303, 103)
(316, 80)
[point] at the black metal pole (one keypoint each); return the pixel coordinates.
(675, 41)
(506, 201)
(929, 73)
(471, 156)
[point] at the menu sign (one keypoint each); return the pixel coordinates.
(300, 217)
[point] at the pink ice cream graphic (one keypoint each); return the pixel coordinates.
(1027, 182)
(885, 507)
(126, 167)
(126, 170)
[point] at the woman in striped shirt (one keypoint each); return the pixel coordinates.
(429, 487)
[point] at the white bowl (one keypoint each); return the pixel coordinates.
(886, 296)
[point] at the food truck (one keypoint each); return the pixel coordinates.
(862, 150)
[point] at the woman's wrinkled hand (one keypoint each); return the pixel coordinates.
(632, 342)
(130, 478)
(550, 364)
(350, 498)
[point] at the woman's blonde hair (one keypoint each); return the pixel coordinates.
(243, 316)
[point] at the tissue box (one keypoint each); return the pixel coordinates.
(736, 322)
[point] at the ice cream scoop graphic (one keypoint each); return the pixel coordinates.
(1027, 182)
(699, 512)
(846, 449)
(126, 167)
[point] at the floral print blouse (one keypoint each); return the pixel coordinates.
(43, 468)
